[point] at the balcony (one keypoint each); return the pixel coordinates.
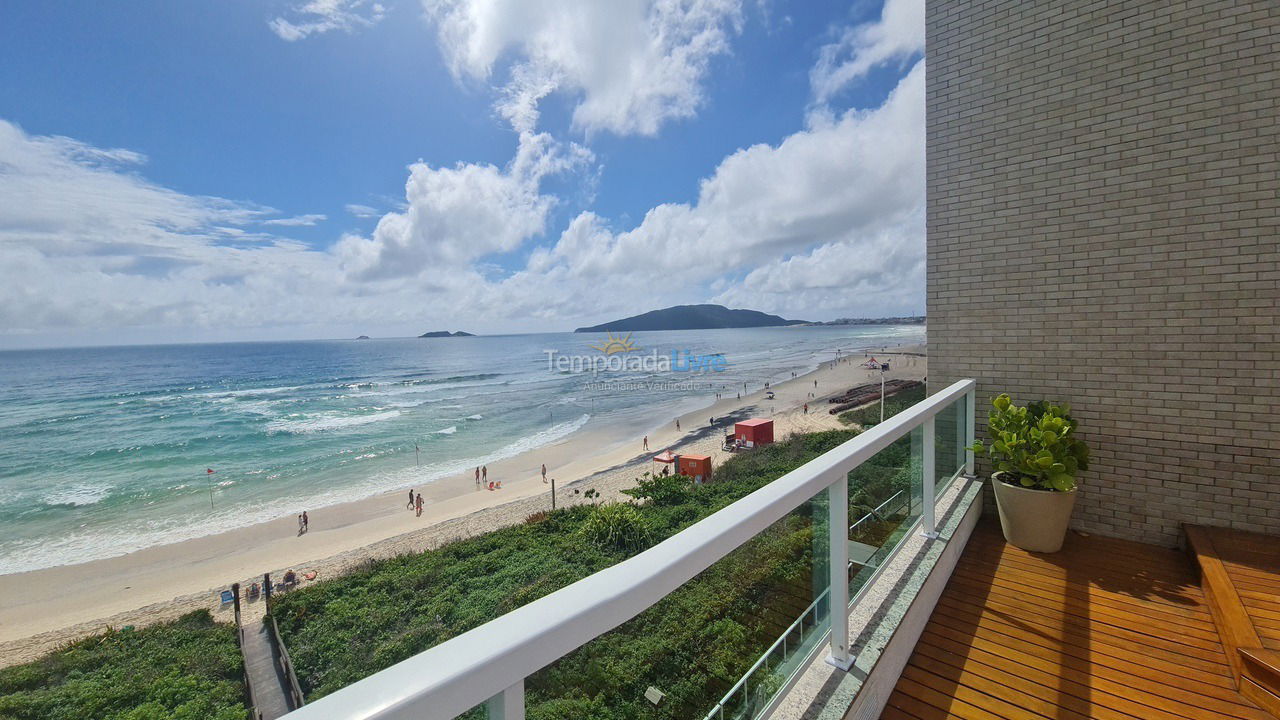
(898, 601)
(1104, 628)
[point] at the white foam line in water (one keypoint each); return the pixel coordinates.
(86, 544)
(325, 421)
(77, 495)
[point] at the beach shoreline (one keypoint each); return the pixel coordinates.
(41, 610)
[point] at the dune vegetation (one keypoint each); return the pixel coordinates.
(692, 646)
(188, 669)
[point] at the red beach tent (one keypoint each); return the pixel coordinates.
(756, 431)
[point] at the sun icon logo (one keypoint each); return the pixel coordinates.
(617, 344)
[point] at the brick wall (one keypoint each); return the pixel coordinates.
(1104, 228)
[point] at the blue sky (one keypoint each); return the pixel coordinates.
(185, 171)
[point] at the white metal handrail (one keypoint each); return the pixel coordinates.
(488, 664)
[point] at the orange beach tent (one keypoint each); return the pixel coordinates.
(697, 467)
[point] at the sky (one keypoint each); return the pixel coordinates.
(250, 170)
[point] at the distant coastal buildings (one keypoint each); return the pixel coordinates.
(908, 320)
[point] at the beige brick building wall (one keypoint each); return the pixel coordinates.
(1104, 228)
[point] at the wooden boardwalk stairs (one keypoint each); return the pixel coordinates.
(269, 685)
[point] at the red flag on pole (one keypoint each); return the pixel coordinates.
(209, 471)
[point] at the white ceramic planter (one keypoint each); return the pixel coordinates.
(1034, 520)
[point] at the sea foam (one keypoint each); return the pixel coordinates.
(303, 423)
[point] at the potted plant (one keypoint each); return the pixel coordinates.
(1036, 457)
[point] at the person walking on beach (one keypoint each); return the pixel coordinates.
(477, 477)
(677, 424)
(484, 474)
(299, 526)
(410, 504)
(306, 521)
(417, 502)
(544, 472)
(646, 443)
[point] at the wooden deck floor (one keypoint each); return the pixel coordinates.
(1104, 629)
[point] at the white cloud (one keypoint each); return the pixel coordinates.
(298, 220)
(877, 275)
(897, 36)
(832, 211)
(316, 17)
(67, 193)
(826, 222)
(459, 214)
(87, 244)
(631, 65)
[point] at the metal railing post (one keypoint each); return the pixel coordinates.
(507, 705)
(970, 420)
(929, 500)
(838, 597)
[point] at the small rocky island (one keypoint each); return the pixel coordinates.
(445, 333)
(363, 337)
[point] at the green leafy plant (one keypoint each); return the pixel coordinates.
(664, 490)
(618, 526)
(1034, 446)
(188, 669)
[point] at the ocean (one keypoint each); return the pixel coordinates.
(106, 450)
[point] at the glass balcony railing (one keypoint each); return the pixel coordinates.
(756, 589)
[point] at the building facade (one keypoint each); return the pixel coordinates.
(1104, 228)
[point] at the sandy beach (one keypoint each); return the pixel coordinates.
(43, 609)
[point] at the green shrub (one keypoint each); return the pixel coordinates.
(693, 644)
(1035, 445)
(662, 489)
(617, 526)
(188, 669)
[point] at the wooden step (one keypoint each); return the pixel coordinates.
(1229, 615)
(1260, 696)
(1263, 667)
(1254, 666)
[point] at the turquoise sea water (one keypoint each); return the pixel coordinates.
(105, 450)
